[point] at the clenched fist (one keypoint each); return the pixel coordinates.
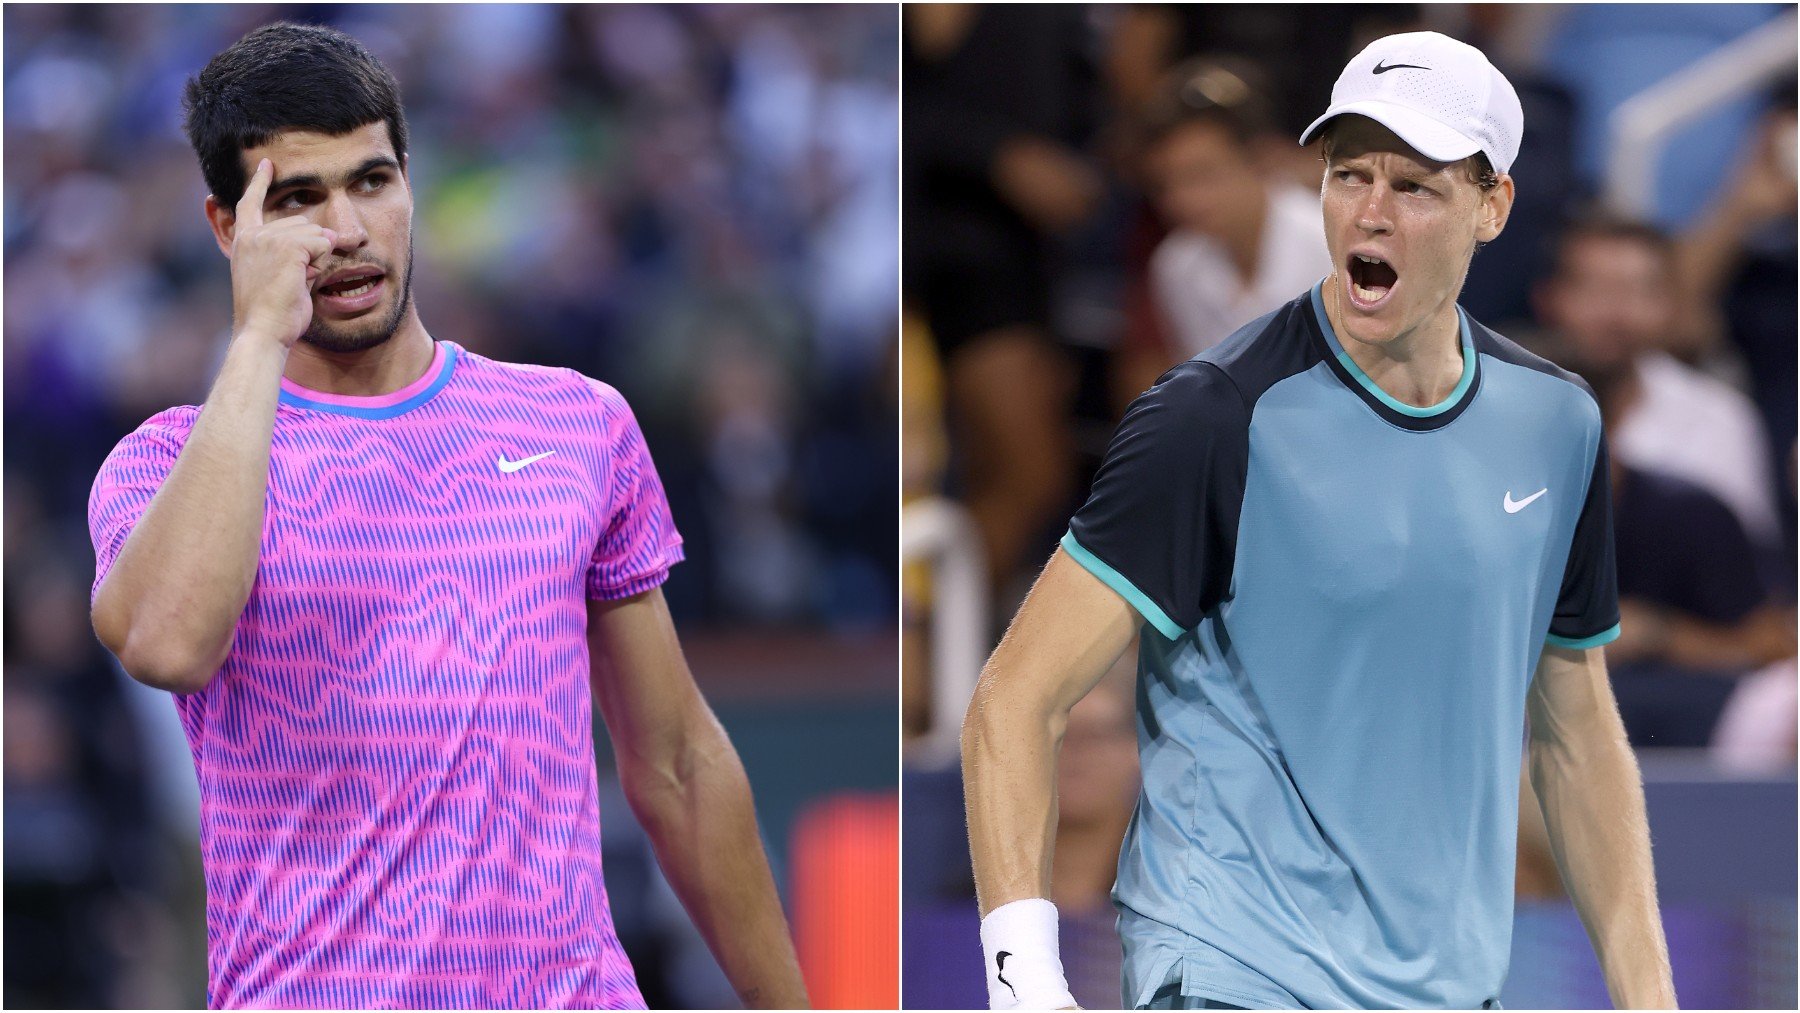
(273, 265)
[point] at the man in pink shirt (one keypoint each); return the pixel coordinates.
(386, 579)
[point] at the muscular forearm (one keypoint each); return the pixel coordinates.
(1009, 777)
(1069, 631)
(170, 603)
(1593, 803)
(697, 809)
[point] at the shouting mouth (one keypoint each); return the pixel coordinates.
(1370, 280)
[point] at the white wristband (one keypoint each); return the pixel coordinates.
(1024, 967)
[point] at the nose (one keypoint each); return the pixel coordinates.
(1375, 216)
(342, 217)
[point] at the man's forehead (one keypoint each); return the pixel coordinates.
(302, 150)
(1359, 136)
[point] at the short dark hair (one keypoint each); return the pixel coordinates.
(1477, 168)
(1225, 91)
(284, 76)
(1605, 225)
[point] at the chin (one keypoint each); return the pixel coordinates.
(350, 336)
(374, 327)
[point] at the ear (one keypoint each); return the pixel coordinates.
(223, 219)
(1496, 207)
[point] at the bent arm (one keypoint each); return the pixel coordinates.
(686, 785)
(171, 602)
(1592, 797)
(1068, 633)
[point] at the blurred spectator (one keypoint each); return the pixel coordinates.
(1610, 303)
(1759, 199)
(996, 104)
(1695, 612)
(694, 204)
(1737, 266)
(1150, 40)
(1241, 242)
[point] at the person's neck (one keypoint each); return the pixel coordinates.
(1420, 367)
(1085, 863)
(371, 372)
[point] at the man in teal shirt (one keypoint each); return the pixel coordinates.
(1361, 541)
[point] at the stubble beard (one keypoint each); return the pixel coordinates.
(361, 336)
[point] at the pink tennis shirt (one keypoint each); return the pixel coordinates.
(398, 804)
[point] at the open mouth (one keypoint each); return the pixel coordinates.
(349, 289)
(1371, 279)
(352, 290)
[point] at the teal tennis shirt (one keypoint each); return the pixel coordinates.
(1344, 600)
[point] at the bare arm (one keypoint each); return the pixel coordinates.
(1070, 630)
(170, 604)
(1593, 803)
(686, 785)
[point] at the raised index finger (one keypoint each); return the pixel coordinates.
(250, 205)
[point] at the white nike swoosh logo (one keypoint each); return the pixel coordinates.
(1513, 506)
(508, 467)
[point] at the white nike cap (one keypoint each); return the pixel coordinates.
(1441, 96)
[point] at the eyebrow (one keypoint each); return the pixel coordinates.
(316, 181)
(1421, 171)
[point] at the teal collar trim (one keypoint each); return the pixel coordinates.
(1374, 390)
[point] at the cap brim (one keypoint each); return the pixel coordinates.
(1425, 135)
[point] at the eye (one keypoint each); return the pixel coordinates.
(372, 183)
(293, 200)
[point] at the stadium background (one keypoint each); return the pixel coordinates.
(696, 205)
(1023, 174)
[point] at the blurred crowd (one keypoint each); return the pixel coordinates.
(695, 204)
(1095, 193)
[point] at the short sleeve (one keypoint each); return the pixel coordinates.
(638, 541)
(127, 481)
(1160, 523)
(1587, 607)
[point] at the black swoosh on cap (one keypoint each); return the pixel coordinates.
(1382, 69)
